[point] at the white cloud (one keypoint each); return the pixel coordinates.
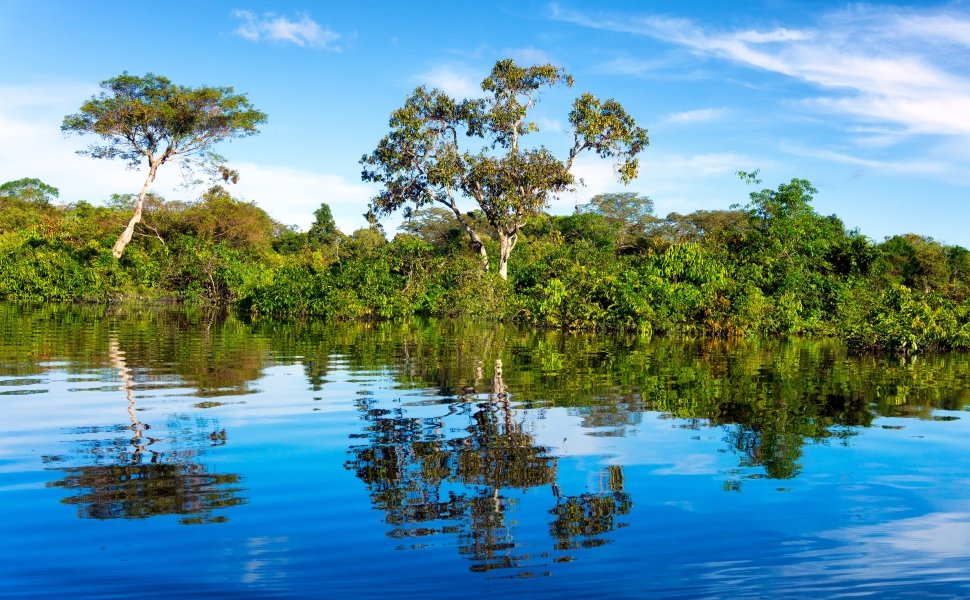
(700, 115)
(873, 64)
(895, 166)
(775, 35)
(663, 177)
(550, 125)
(625, 65)
(662, 167)
(31, 143)
(939, 28)
(291, 195)
(303, 31)
(455, 81)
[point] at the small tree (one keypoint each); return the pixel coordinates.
(152, 120)
(323, 231)
(421, 160)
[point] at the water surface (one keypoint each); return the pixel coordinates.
(146, 453)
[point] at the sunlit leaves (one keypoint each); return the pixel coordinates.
(140, 117)
(29, 189)
(605, 128)
(440, 149)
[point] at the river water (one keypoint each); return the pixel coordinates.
(148, 453)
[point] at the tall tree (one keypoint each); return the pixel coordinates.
(151, 120)
(421, 160)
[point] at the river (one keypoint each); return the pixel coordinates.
(152, 453)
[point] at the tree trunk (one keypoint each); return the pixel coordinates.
(506, 242)
(477, 245)
(475, 241)
(129, 231)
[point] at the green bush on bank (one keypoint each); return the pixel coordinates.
(773, 267)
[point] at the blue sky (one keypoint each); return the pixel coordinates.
(868, 101)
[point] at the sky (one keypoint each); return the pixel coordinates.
(868, 101)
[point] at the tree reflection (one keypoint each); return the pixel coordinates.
(770, 398)
(137, 491)
(581, 520)
(146, 475)
(430, 483)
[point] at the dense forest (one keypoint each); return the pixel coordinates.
(770, 266)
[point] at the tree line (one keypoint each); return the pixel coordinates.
(769, 266)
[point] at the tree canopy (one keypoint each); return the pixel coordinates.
(422, 161)
(148, 119)
(29, 189)
(628, 215)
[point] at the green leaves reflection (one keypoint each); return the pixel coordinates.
(454, 455)
(137, 491)
(206, 351)
(469, 486)
(582, 520)
(132, 469)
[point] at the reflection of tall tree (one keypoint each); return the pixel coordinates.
(428, 483)
(135, 478)
(496, 454)
(581, 520)
(117, 360)
(776, 451)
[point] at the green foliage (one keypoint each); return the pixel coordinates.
(149, 116)
(721, 230)
(914, 261)
(905, 321)
(152, 120)
(421, 162)
(435, 225)
(774, 268)
(627, 214)
(29, 189)
(323, 232)
(586, 228)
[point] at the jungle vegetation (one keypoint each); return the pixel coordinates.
(769, 266)
(772, 266)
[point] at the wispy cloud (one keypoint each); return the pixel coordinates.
(876, 65)
(624, 65)
(550, 124)
(934, 167)
(865, 553)
(301, 31)
(31, 144)
(302, 190)
(700, 115)
(456, 81)
(775, 35)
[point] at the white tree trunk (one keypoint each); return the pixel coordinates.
(506, 242)
(129, 231)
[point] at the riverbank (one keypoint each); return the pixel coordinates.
(744, 273)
